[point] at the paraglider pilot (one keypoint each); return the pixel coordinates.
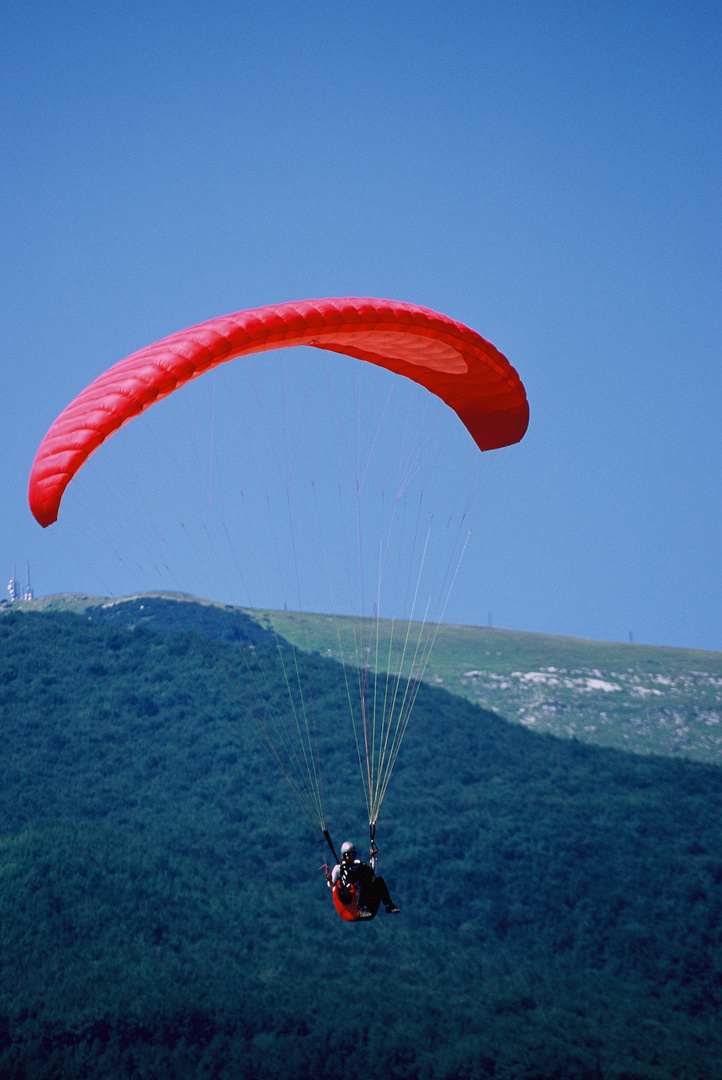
(372, 889)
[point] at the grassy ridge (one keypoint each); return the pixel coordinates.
(641, 698)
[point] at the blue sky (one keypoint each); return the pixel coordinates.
(544, 172)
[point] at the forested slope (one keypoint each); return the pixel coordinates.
(162, 913)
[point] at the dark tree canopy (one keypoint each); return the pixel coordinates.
(162, 912)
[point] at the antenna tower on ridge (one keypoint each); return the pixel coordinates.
(14, 587)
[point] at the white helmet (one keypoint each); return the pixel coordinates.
(348, 849)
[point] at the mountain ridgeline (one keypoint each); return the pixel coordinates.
(163, 913)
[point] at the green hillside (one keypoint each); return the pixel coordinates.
(642, 698)
(162, 913)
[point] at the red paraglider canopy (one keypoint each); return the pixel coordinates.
(449, 359)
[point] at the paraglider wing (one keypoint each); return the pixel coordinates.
(446, 357)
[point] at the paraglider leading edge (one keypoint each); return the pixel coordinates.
(452, 361)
